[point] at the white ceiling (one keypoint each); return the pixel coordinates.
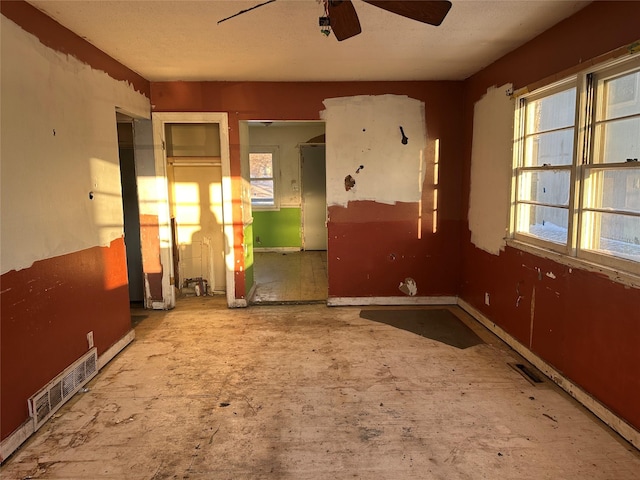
(181, 40)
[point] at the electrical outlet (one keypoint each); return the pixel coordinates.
(486, 298)
(90, 339)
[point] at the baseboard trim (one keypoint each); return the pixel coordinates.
(17, 438)
(616, 423)
(116, 348)
(277, 249)
(363, 301)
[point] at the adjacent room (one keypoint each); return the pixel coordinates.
(320, 239)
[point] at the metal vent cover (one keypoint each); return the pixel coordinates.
(51, 397)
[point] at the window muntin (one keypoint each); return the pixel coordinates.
(617, 122)
(583, 202)
(543, 169)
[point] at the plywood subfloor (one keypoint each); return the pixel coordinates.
(311, 392)
(291, 277)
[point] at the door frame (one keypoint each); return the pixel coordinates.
(164, 217)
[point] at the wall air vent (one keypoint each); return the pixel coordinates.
(527, 372)
(51, 397)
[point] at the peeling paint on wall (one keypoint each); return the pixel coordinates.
(408, 287)
(349, 183)
(364, 130)
(491, 163)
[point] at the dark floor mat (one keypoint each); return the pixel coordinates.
(438, 324)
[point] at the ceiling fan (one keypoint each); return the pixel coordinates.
(341, 17)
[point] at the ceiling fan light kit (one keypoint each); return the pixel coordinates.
(341, 18)
(325, 25)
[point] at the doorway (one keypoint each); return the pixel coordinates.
(130, 207)
(290, 236)
(194, 174)
(193, 156)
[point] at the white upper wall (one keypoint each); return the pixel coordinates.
(58, 144)
(364, 141)
(491, 166)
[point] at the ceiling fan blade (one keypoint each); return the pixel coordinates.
(344, 19)
(431, 12)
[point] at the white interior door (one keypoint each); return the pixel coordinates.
(314, 197)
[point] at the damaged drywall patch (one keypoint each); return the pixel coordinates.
(374, 130)
(491, 164)
(349, 183)
(408, 287)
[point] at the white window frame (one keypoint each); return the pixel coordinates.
(575, 251)
(275, 165)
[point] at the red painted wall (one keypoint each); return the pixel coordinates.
(47, 311)
(372, 247)
(583, 324)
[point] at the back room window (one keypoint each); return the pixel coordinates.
(262, 168)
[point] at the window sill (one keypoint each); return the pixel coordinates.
(625, 278)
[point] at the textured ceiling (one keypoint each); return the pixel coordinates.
(181, 40)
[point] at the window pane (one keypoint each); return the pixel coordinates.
(546, 223)
(612, 234)
(260, 165)
(552, 148)
(545, 186)
(262, 192)
(619, 140)
(621, 96)
(616, 189)
(552, 112)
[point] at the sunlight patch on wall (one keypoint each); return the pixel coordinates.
(436, 185)
(105, 197)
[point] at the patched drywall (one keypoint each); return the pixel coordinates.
(62, 137)
(375, 149)
(491, 164)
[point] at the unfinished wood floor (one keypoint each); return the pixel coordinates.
(311, 392)
(291, 277)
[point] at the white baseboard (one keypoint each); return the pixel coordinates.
(362, 301)
(116, 348)
(17, 438)
(277, 249)
(599, 410)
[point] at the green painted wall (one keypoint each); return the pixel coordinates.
(281, 228)
(248, 258)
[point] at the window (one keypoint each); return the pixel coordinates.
(577, 169)
(262, 168)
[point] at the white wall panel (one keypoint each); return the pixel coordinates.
(58, 144)
(364, 141)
